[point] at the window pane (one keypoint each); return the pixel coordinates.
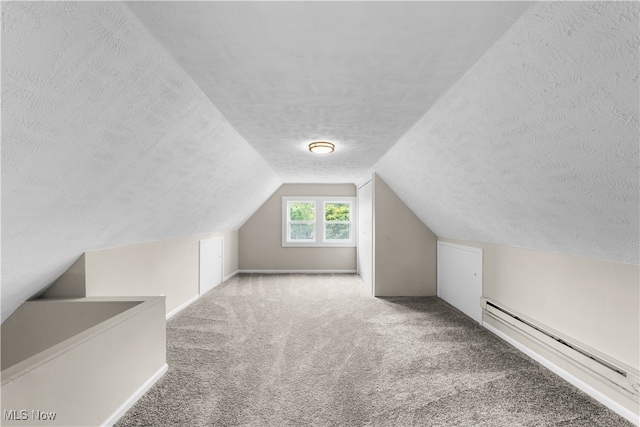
(336, 211)
(337, 231)
(301, 231)
(302, 211)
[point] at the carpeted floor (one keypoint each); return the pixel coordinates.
(317, 350)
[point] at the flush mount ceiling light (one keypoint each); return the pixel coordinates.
(321, 147)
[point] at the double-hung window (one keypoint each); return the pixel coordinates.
(301, 221)
(337, 221)
(318, 221)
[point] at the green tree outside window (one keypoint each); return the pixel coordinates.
(302, 217)
(337, 221)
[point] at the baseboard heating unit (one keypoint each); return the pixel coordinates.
(612, 382)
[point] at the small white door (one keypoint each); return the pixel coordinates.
(210, 263)
(365, 231)
(460, 278)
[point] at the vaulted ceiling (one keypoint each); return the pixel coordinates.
(505, 122)
(359, 74)
(536, 146)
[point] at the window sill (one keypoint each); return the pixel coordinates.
(318, 245)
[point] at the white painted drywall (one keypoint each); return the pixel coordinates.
(107, 141)
(39, 325)
(536, 146)
(404, 249)
(86, 378)
(260, 238)
(166, 267)
(356, 73)
(594, 302)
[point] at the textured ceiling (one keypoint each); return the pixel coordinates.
(117, 131)
(537, 145)
(356, 73)
(105, 142)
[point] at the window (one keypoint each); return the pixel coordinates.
(318, 221)
(302, 221)
(337, 221)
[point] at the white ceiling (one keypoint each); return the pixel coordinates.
(513, 123)
(537, 145)
(106, 141)
(359, 74)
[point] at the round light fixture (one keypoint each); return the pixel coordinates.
(321, 147)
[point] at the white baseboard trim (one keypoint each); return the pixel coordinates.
(182, 307)
(230, 275)
(135, 396)
(600, 397)
(299, 271)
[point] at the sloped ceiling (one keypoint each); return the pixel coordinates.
(107, 141)
(536, 146)
(356, 73)
(523, 135)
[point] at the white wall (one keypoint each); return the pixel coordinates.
(595, 302)
(86, 378)
(42, 324)
(106, 141)
(404, 251)
(536, 146)
(166, 267)
(260, 238)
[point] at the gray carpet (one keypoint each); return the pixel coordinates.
(317, 350)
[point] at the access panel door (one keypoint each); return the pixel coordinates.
(210, 263)
(460, 278)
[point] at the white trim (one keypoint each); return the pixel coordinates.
(135, 396)
(182, 306)
(195, 297)
(600, 397)
(299, 271)
(230, 275)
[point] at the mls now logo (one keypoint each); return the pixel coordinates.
(42, 415)
(22, 415)
(15, 415)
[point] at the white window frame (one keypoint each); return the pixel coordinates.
(325, 222)
(319, 234)
(288, 221)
